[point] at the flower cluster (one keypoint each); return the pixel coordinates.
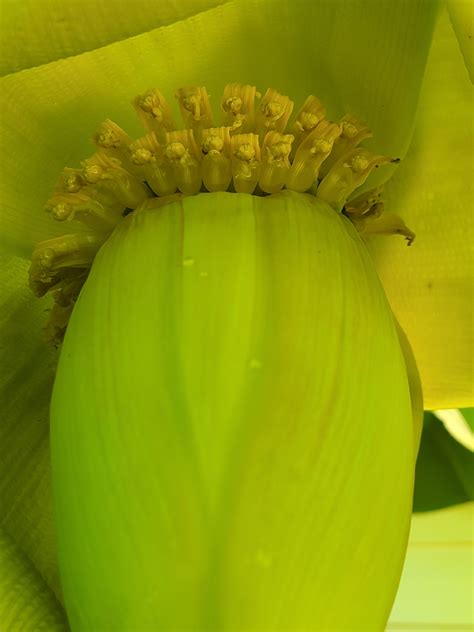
(253, 152)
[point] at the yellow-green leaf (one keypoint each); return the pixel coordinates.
(35, 32)
(429, 285)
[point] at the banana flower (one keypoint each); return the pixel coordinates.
(237, 407)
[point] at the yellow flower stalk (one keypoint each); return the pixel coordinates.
(236, 410)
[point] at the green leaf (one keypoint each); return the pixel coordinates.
(35, 32)
(444, 470)
(26, 602)
(468, 414)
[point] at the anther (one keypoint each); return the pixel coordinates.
(273, 113)
(216, 164)
(141, 157)
(233, 105)
(245, 152)
(212, 143)
(70, 181)
(148, 156)
(93, 173)
(74, 183)
(245, 162)
(349, 130)
(359, 164)
(50, 257)
(61, 211)
(107, 137)
(311, 113)
(310, 155)
(238, 106)
(175, 151)
(82, 208)
(275, 161)
(112, 140)
(184, 157)
(195, 109)
(154, 112)
(353, 132)
(351, 170)
(108, 176)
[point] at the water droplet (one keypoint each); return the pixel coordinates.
(255, 364)
(188, 262)
(204, 274)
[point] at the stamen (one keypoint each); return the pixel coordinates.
(184, 157)
(70, 181)
(107, 175)
(275, 161)
(68, 251)
(245, 162)
(312, 112)
(347, 174)
(238, 105)
(353, 132)
(216, 164)
(384, 224)
(195, 109)
(82, 208)
(65, 293)
(113, 141)
(148, 156)
(364, 203)
(154, 112)
(310, 155)
(273, 113)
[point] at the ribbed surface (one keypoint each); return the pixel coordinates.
(26, 381)
(36, 32)
(26, 604)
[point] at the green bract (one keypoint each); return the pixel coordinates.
(230, 367)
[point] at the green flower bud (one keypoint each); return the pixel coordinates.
(232, 434)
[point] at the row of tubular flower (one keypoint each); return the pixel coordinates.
(251, 153)
(231, 426)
